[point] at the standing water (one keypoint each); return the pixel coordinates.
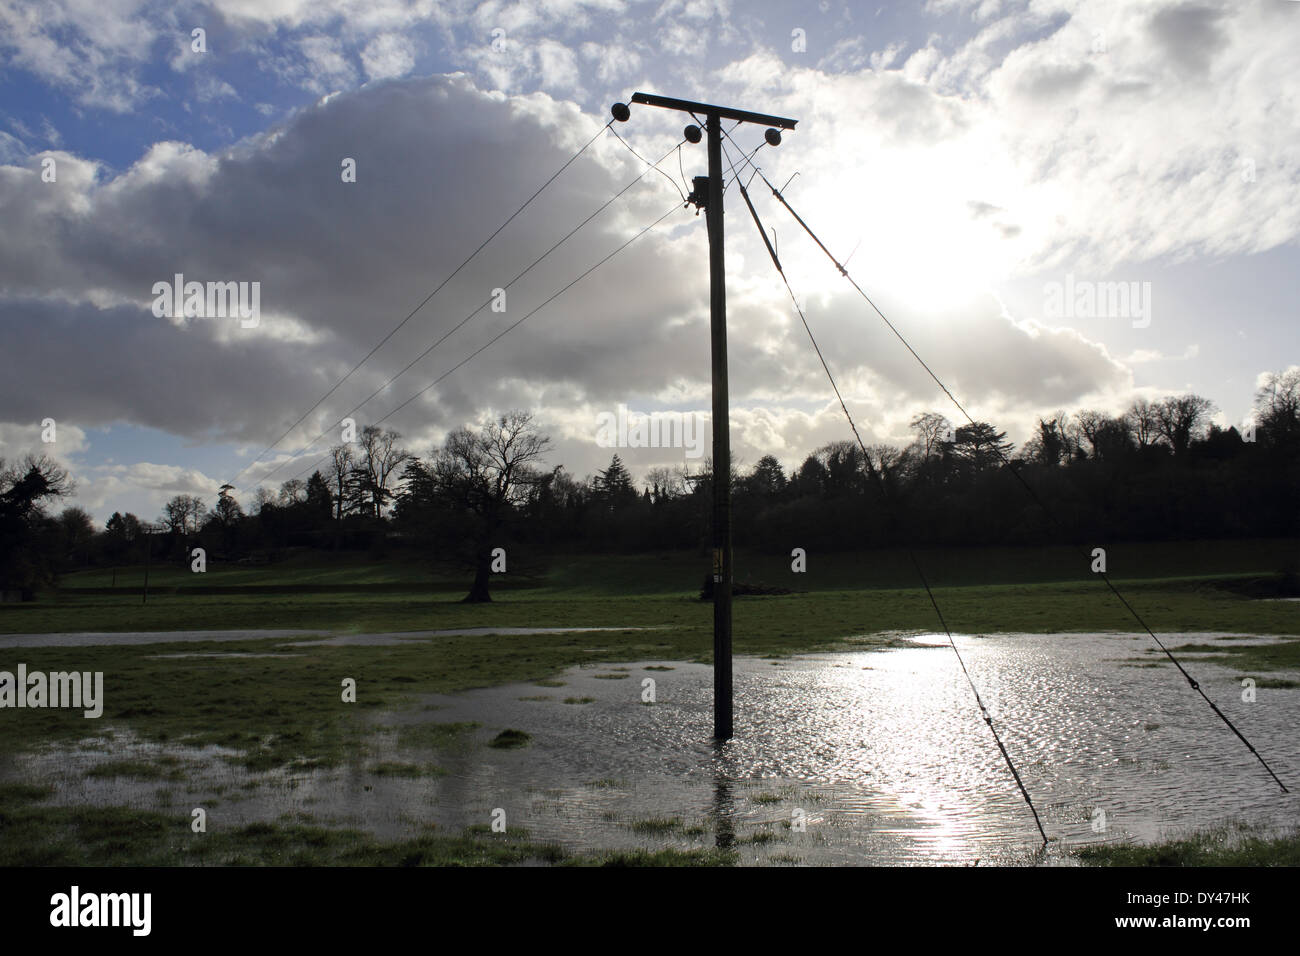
(874, 757)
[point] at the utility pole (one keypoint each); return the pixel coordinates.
(708, 195)
(148, 553)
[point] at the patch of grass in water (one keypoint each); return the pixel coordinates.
(511, 738)
(667, 857)
(656, 825)
(434, 736)
(660, 667)
(127, 836)
(1227, 845)
(393, 768)
(579, 700)
(1274, 683)
(159, 768)
(611, 676)
(538, 697)
(19, 793)
(607, 783)
(766, 798)
(549, 683)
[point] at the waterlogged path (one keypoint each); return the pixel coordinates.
(872, 757)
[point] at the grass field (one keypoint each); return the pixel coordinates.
(1176, 587)
(283, 712)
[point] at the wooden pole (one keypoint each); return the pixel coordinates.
(148, 550)
(722, 677)
(710, 198)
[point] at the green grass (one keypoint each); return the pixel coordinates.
(792, 622)
(667, 857)
(41, 835)
(1180, 586)
(222, 701)
(581, 575)
(304, 724)
(1228, 845)
(164, 767)
(433, 736)
(1252, 659)
(656, 825)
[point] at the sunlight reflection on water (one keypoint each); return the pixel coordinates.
(882, 754)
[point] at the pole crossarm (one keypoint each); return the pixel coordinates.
(724, 112)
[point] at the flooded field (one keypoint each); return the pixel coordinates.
(857, 758)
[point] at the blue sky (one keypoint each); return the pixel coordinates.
(969, 154)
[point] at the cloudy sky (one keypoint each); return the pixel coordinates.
(984, 167)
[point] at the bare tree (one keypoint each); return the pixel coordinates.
(25, 563)
(381, 457)
(932, 431)
(1143, 421)
(665, 483)
(183, 514)
(1277, 408)
(262, 497)
(1107, 437)
(341, 465)
(292, 492)
(1181, 419)
(486, 474)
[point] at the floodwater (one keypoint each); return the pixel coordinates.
(855, 758)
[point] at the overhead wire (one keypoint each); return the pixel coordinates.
(470, 316)
(410, 315)
(514, 325)
(866, 457)
(1192, 682)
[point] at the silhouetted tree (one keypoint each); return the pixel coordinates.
(1181, 419)
(481, 477)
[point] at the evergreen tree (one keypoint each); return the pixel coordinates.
(613, 486)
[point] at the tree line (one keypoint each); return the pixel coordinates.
(1160, 470)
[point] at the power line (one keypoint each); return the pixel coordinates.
(471, 315)
(514, 325)
(410, 315)
(988, 719)
(1028, 488)
(654, 166)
